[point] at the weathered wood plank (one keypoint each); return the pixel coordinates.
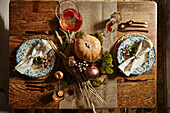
(139, 94)
(20, 96)
(32, 16)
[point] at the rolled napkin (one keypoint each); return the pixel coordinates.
(130, 64)
(41, 49)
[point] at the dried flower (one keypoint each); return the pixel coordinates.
(71, 61)
(82, 65)
(129, 50)
(87, 86)
(43, 65)
(43, 61)
(126, 51)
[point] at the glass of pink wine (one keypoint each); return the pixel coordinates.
(68, 15)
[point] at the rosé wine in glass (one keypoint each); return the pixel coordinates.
(69, 17)
(70, 20)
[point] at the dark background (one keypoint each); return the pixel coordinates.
(163, 22)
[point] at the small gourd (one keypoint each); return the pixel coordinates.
(87, 47)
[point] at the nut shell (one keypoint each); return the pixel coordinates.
(58, 75)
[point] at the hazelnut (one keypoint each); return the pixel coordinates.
(58, 75)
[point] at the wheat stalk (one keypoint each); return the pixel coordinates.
(87, 85)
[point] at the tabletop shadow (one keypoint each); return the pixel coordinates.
(45, 99)
(101, 25)
(4, 62)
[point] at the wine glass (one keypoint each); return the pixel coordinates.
(58, 95)
(112, 24)
(68, 15)
(69, 94)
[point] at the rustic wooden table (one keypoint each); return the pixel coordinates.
(40, 16)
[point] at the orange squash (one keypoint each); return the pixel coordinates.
(87, 47)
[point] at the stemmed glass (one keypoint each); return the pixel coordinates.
(69, 94)
(112, 24)
(68, 15)
(58, 95)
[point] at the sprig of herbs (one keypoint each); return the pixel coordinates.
(99, 37)
(97, 82)
(79, 34)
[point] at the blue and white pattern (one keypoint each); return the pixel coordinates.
(146, 66)
(23, 51)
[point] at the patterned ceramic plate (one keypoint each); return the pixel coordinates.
(130, 40)
(32, 72)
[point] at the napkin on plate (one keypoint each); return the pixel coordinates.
(130, 64)
(41, 49)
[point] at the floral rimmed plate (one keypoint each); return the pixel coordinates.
(130, 40)
(23, 51)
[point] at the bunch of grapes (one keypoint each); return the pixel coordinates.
(81, 65)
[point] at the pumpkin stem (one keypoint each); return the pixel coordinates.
(87, 45)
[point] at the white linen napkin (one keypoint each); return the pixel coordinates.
(130, 64)
(41, 49)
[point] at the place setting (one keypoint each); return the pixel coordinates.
(79, 69)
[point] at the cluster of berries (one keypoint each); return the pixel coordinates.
(127, 50)
(44, 61)
(81, 65)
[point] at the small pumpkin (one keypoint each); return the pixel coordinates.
(87, 47)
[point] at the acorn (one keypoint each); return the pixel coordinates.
(71, 61)
(58, 75)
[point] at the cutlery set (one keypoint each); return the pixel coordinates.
(123, 27)
(38, 86)
(132, 79)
